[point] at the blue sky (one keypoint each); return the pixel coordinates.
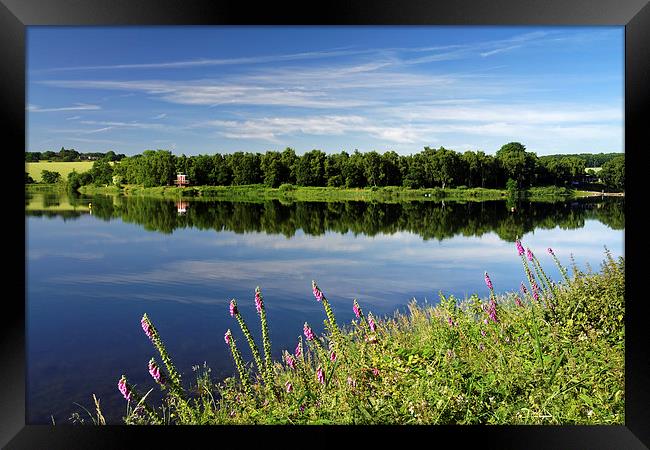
(203, 90)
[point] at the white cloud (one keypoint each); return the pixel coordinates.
(77, 107)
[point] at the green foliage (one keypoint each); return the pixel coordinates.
(28, 178)
(50, 177)
(613, 173)
(438, 364)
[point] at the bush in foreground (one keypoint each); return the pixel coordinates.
(552, 353)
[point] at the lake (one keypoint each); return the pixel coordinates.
(91, 273)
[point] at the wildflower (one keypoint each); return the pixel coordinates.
(351, 382)
(233, 308)
(450, 321)
(356, 309)
(290, 362)
(371, 324)
(309, 334)
(124, 389)
(320, 375)
(524, 291)
(520, 248)
(227, 337)
(317, 292)
(529, 254)
(298, 352)
(550, 251)
(488, 282)
(146, 326)
(481, 347)
(259, 304)
(375, 371)
(450, 353)
(288, 386)
(302, 408)
(483, 331)
(518, 301)
(154, 371)
(332, 356)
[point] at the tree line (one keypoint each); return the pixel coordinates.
(512, 166)
(429, 168)
(71, 155)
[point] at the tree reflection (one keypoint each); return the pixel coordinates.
(430, 220)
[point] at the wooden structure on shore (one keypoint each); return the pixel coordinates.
(181, 180)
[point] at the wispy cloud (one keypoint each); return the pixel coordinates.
(159, 116)
(76, 107)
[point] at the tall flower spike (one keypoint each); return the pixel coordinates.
(124, 389)
(233, 308)
(317, 292)
(309, 334)
(155, 373)
(290, 362)
(529, 255)
(357, 309)
(520, 248)
(259, 303)
(371, 323)
(488, 282)
(227, 337)
(320, 375)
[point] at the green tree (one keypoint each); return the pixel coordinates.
(613, 173)
(517, 163)
(28, 178)
(274, 171)
(310, 170)
(101, 172)
(50, 177)
(245, 168)
(354, 172)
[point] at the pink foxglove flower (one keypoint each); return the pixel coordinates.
(529, 254)
(524, 291)
(320, 375)
(317, 292)
(488, 282)
(290, 362)
(259, 304)
(298, 352)
(550, 251)
(309, 334)
(351, 382)
(233, 308)
(227, 337)
(288, 386)
(124, 389)
(518, 301)
(356, 309)
(520, 248)
(146, 326)
(155, 373)
(375, 371)
(332, 356)
(371, 324)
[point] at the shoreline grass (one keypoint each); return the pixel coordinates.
(389, 194)
(551, 354)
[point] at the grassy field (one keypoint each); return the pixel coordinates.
(64, 168)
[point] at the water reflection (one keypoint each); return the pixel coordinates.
(430, 220)
(90, 278)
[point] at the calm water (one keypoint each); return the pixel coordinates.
(92, 273)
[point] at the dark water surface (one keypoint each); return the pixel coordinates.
(93, 272)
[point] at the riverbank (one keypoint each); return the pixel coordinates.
(389, 194)
(551, 355)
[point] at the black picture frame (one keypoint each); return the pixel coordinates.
(16, 15)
